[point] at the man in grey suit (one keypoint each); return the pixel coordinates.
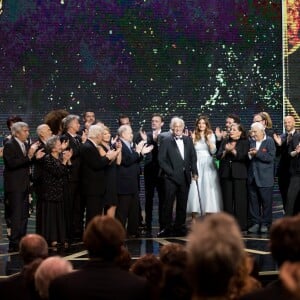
(260, 179)
(178, 162)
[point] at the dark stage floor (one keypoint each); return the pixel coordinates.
(256, 245)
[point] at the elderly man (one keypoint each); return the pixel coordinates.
(128, 176)
(44, 133)
(17, 157)
(178, 162)
(101, 278)
(92, 179)
(260, 179)
(33, 248)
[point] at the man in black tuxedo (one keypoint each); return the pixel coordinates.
(178, 162)
(17, 155)
(101, 277)
(33, 248)
(92, 175)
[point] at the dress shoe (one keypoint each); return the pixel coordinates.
(254, 228)
(165, 233)
(264, 229)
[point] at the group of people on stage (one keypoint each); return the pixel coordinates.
(78, 172)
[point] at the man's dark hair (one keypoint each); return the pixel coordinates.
(104, 237)
(285, 239)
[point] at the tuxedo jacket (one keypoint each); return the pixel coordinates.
(261, 168)
(234, 166)
(128, 172)
(92, 171)
(16, 167)
(99, 280)
(173, 166)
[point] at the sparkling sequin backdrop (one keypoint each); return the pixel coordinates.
(179, 57)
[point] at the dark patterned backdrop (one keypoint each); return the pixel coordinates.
(139, 57)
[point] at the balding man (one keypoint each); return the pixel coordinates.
(283, 142)
(33, 249)
(44, 133)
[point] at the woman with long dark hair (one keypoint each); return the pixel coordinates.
(210, 200)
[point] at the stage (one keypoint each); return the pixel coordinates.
(256, 245)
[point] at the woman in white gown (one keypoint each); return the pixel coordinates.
(208, 180)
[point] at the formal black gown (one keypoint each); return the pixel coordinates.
(110, 196)
(53, 208)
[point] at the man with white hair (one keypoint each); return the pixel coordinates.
(92, 175)
(260, 178)
(178, 162)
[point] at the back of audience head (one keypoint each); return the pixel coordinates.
(150, 267)
(173, 254)
(175, 281)
(33, 246)
(215, 253)
(104, 237)
(48, 270)
(285, 239)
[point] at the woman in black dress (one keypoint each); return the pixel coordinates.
(110, 196)
(233, 156)
(56, 169)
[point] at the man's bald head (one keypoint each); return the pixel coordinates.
(33, 246)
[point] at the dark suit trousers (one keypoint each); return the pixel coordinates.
(235, 199)
(128, 210)
(94, 207)
(19, 210)
(152, 182)
(292, 196)
(284, 182)
(180, 193)
(76, 213)
(260, 204)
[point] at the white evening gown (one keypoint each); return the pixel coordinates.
(208, 182)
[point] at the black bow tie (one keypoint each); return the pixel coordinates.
(178, 137)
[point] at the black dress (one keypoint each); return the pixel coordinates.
(110, 196)
(55, 175)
